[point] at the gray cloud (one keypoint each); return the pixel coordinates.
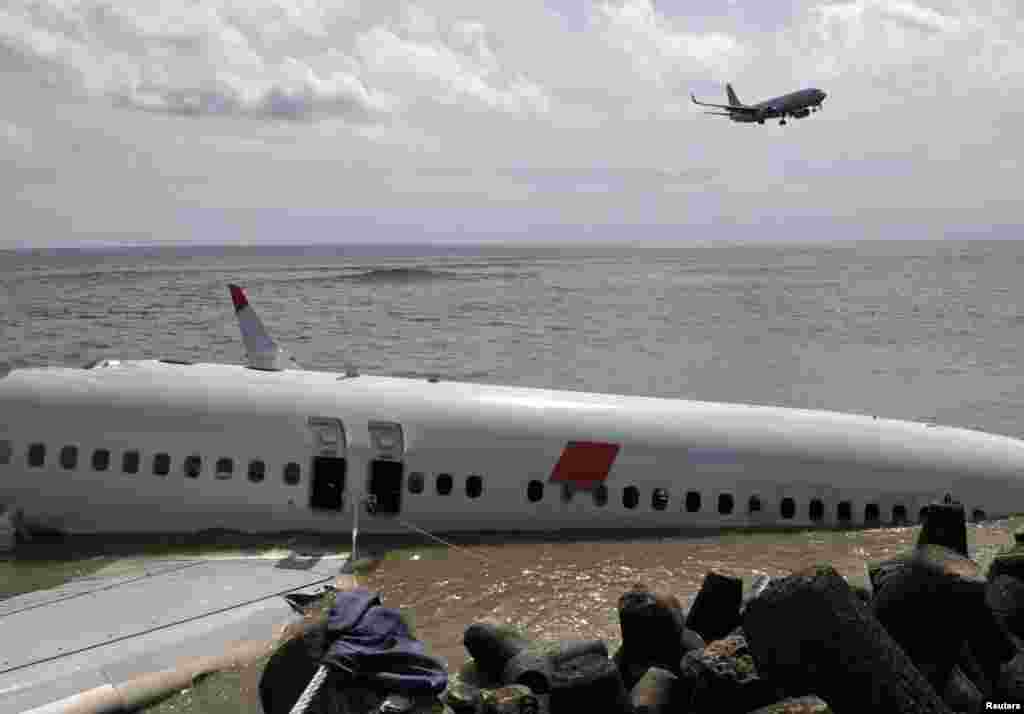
(503, 112)
(287, 61)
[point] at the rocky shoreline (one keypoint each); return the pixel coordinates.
(931, 634)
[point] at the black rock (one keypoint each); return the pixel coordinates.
(912, 599)
(723, 677)
(715, 611)
(1010, 686)
(589, 683)
(863, 593)
(1005, 596)
(810, 631)
(534, 665)
(653, 634)
(633, 666)
(652, 622)
(491, 646)
(990, 638)
(757, 586)
(655, 693)
(962, 695)
(945, 524)
(972, 668)
(1008, 562)
(632, 670)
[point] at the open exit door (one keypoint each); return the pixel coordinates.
(387, 467)
(329, 464)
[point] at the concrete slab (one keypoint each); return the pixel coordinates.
(102, 631)
(85, 586)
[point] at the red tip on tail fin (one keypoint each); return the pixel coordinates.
(237, 297)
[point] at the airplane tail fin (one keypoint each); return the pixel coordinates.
(733, 99)
(260, 349)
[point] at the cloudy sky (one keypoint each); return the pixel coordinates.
(309, 120)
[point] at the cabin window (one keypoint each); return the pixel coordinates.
(725, 503)
(225, 468)
(844, 512)
(5, 452)
(444, 484)
(787, 508)
(659, 499)
(567, 491)
(100, 460)
(416, 482)
(130, 462)
(692, 501)
(630, 497)
(977, 515)
(193, 466)
(601, 495)
(69, 457)
(257, 470)
(754, 505)
(534, 491)
(871, 513)
(816, 511)
(899, 513)
(161, 464)
(36, 455)
(474, 486)
(292, 473)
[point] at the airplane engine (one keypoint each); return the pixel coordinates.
(801, 113)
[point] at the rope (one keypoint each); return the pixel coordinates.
(311, 691)
(371, 506)
(442, 541)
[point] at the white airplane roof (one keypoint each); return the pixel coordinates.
(241, 391)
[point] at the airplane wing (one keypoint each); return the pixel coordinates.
(261, 350)
(144, 626)
(731, 107)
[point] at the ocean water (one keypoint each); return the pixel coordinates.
(916, 329)
(927, 330)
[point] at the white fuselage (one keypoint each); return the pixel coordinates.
(681, 464)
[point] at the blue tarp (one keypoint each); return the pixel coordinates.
(369, 645)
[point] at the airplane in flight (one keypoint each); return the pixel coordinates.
(165, 446)
(796, 104)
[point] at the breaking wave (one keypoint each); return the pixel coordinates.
(401, 275)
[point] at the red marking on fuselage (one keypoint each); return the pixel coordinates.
(584, 464)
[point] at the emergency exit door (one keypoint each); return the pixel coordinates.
(387, 467)
(329, 464)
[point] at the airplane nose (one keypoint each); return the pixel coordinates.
(821, 95)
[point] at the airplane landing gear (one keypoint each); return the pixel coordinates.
(782, 122)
